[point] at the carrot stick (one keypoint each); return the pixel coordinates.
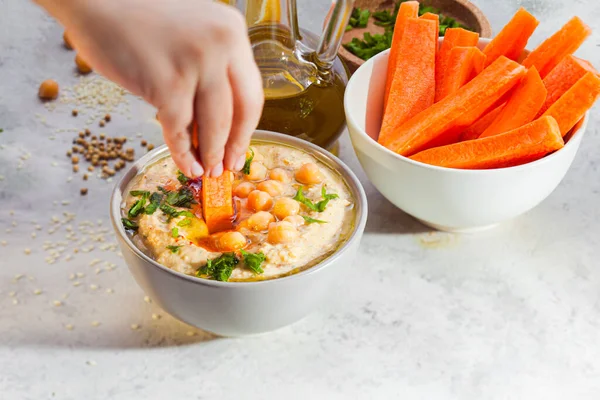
(408, 9)
(525, 144)
(464, 63)
(479, 126)
(512, 39)
(575, 102)
(217, 202)
(433, 17)
(444, 121)
(453, 37)
(413, 87)
(552, 50)
(562, 77)
(522, 107)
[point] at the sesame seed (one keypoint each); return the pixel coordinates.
(18, 276)
(15, 301)
(156, 317)
(37, 291)
(135, 327)
(12, 294)
(3, 242)
(93, 286)
(27, 251)
(76, 283)
(95, 323)
(147, 299)
(69, 327)
(91, 363)
(190, 333)
(109, 290)
(33, 235)
(57, 303)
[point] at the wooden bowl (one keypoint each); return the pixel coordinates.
(462, 11)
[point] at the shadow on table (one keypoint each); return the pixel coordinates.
(384, 217)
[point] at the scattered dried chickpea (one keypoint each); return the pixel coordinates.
(284, 207)
(143, 143)
(260, 221)
(101, 123)
(74, 159)
(274, 188)
(232, 241)
(88, 132)
(75, 168)
(259, 201)
(243, 189)
(82, 66)
(48, 90)
(74, 113)
(107, 117)
(83, 191)
(85, 177)
(281, 232)
(258, 172)
(150, 146)
(309, 174)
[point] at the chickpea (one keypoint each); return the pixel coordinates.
(309, 174)
(67, 41)
(284, 207)
(243, 189)
(281, 232)
(274, 188)
(259, 201)
(260, 221)
(48, 90)
(295, 220)
(82, 66)
(232, 241)
(279, 174)
(258, 172)
(257, 156)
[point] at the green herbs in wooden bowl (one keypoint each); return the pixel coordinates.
(371, 25)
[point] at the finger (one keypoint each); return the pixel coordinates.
(248, 99)
(214, 110)
(175, 115)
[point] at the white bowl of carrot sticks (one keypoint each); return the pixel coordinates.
(463, 132)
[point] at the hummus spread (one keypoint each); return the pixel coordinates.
(291, 212)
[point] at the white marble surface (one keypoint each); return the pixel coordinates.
(512, 313)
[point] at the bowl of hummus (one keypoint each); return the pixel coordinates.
(247, 252)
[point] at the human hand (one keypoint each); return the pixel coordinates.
(191, 59)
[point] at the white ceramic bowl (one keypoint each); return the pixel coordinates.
(241, 308)
(445, 198)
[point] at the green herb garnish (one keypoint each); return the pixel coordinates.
(246, 169)
(299, 197)
(155, 199)
(184, 222)
(359, 18)
(138, 207)
(174, 249)
(220, 268)
(138, 193)
(184, 197)
(253, 261)
(175, 232)
(326, 197)
(129, 224)
(319, 206)
(182, 178)
(370, 45)
(310, 220)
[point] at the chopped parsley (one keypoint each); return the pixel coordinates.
(183, 197)
(320, 206)
(359, 18)
(184, 222)
(174, 249)
(220, 268)
(175, 232)
(253, 261)
(138, 193)
(182, 178)
(155, 200)
(138, 207)
(246, 169)
(129, 224)
(310, 220)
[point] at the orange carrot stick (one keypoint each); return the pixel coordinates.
(453, 37)
(552, 50)
(444, 121)
(576, 101)
(433, 17)
(522, 106)
(413, 87)
(562, 77)
(512, 39)
(464, 63)
(408, 9)
(479, 126)
(525, 144)
(217, 202)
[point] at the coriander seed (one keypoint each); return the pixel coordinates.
(83, 191)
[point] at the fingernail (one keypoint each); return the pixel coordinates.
(197, 169)
(239, 164)
(217, 170)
